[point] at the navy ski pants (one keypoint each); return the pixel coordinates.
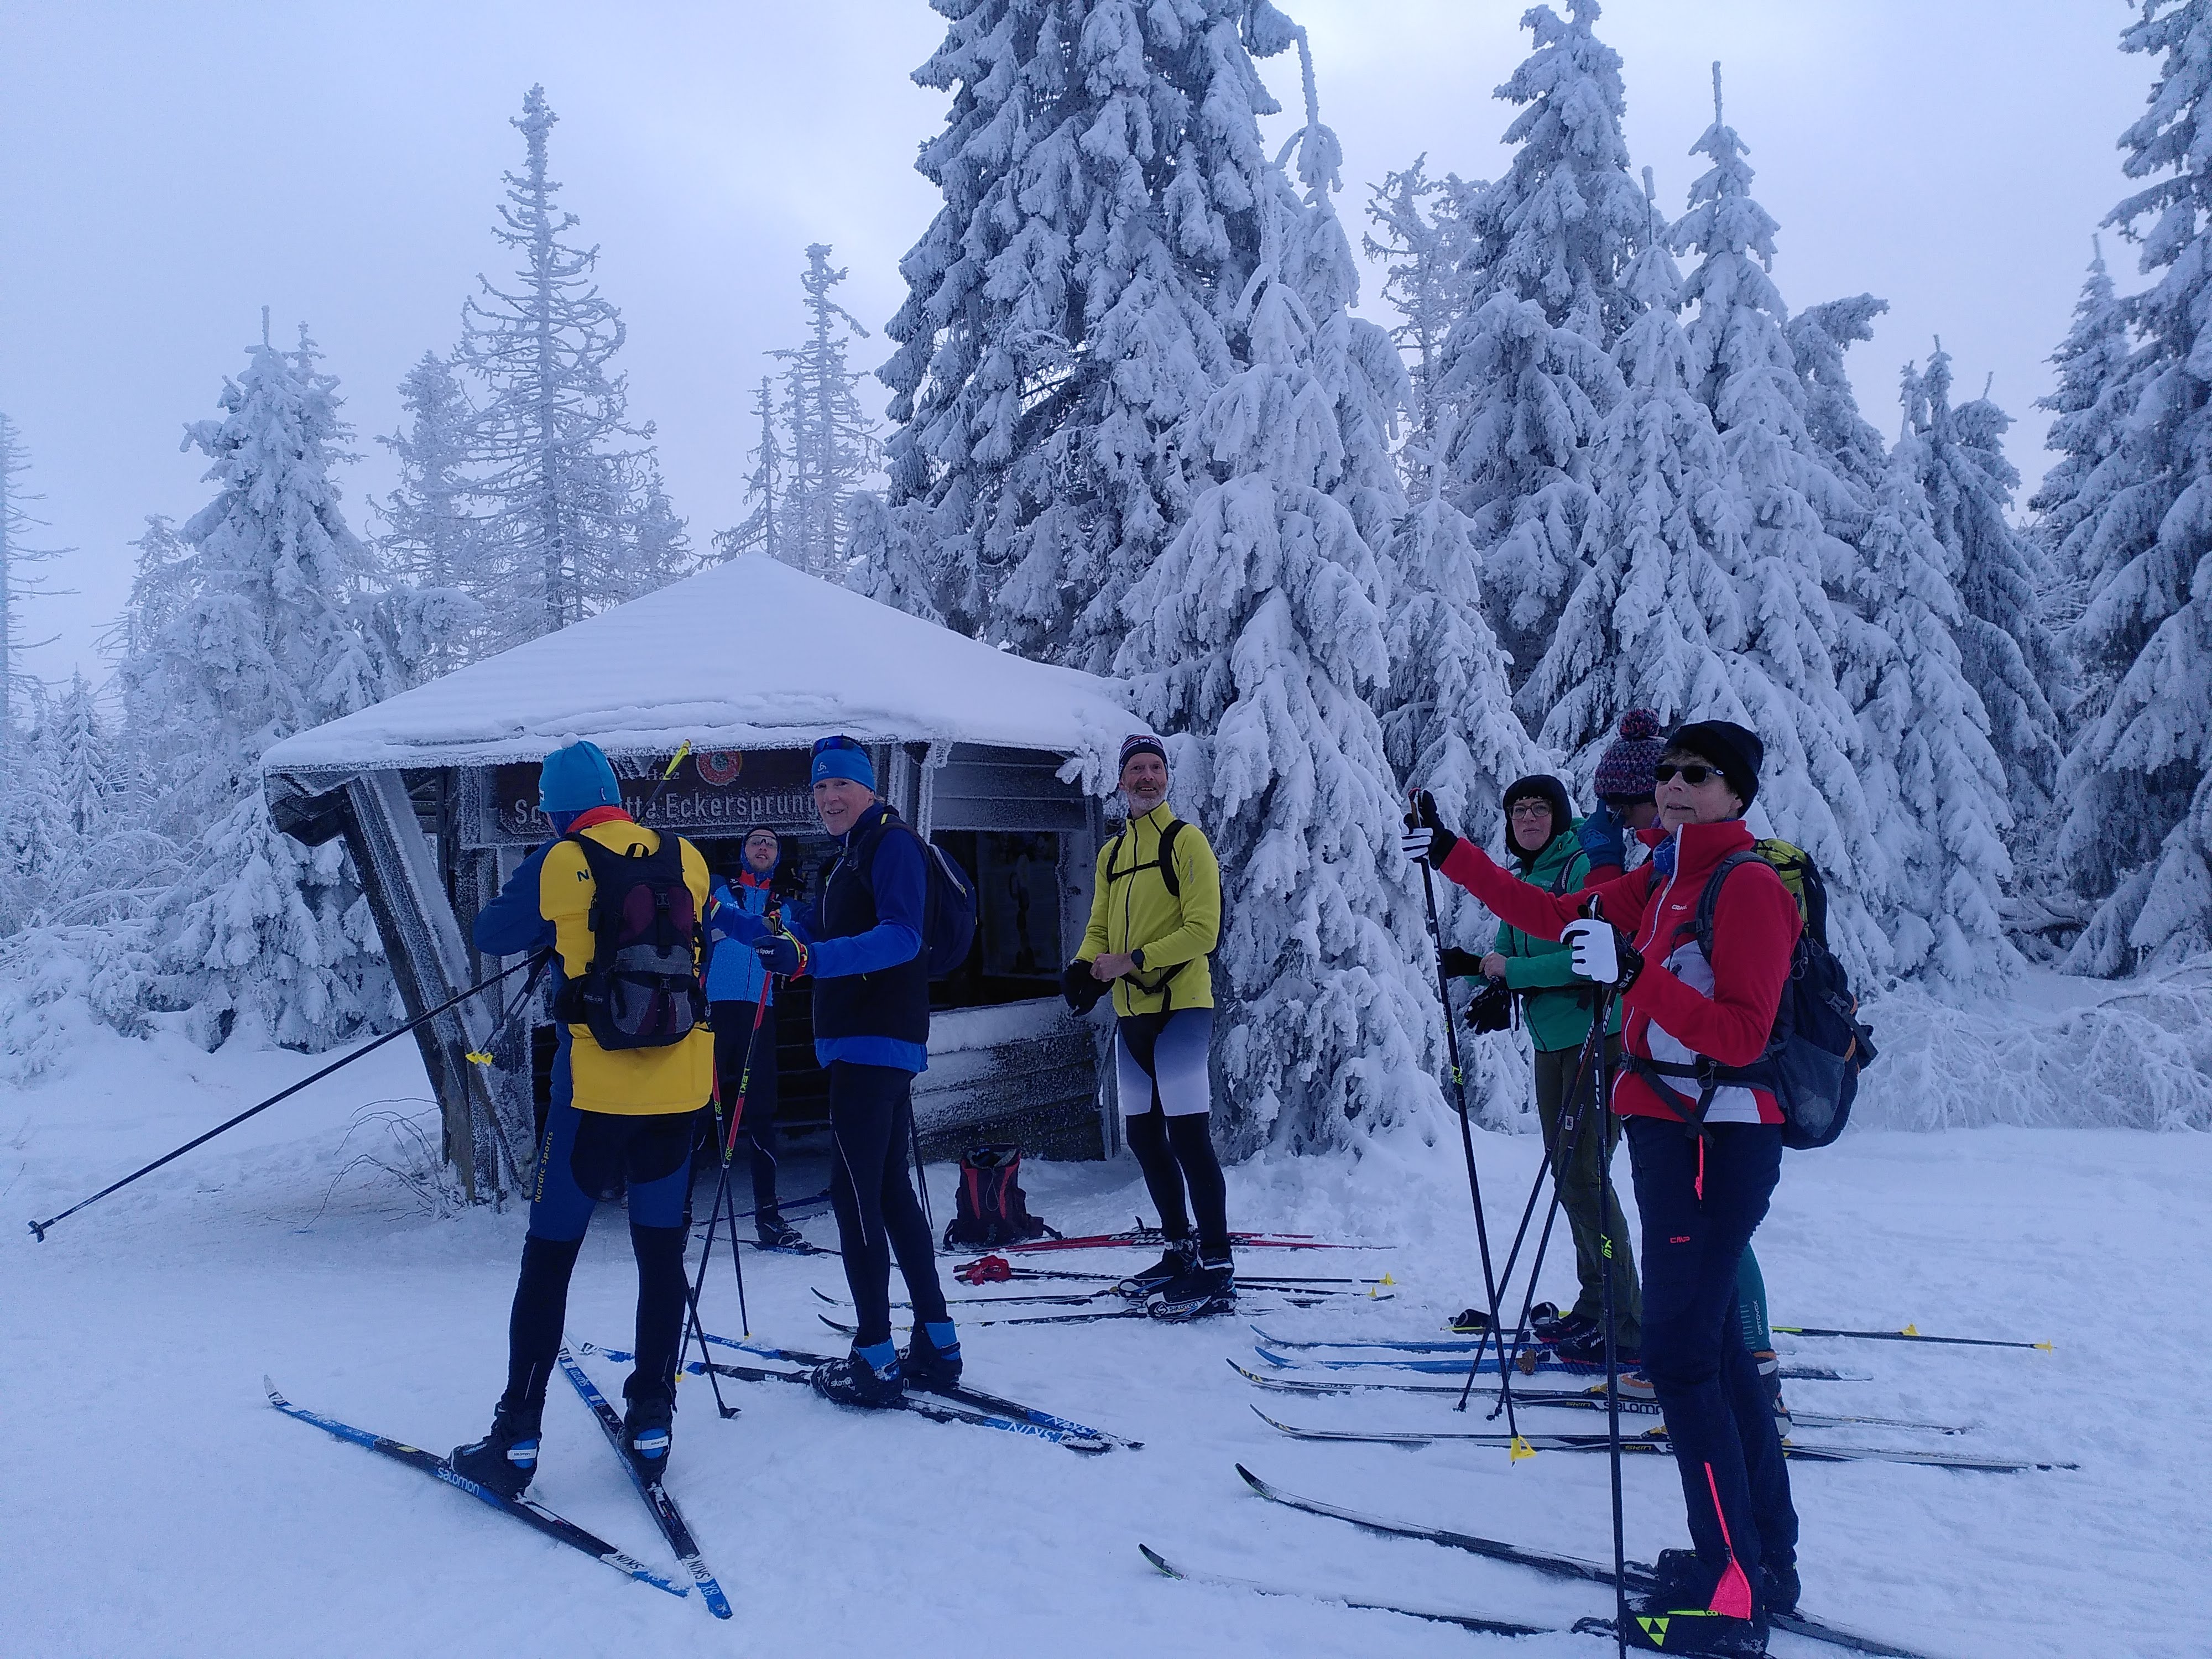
(871, 1120)
(1719, 1417)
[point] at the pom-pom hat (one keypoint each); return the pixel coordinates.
(1624, 773)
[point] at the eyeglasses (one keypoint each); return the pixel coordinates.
(1530, 808)
(1693, 775)
(835, 741)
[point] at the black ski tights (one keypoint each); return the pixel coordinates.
(541, 1307)
(1176, 1151)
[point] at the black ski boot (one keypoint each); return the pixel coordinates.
(645, 1432)
(776, 1233)
(1180, 1258)
(1586, 1346)
(852, 1380)
(928, 1367)
(1677, 1617)
(1208, 1288)
(504, 1460)
(1782, 1589)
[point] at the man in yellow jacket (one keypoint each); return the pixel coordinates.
(633, 1065)
(1155, 917)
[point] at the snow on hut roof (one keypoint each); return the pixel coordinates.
(751, 654)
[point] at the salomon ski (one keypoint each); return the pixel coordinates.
(665, 1514)
(530, 1512)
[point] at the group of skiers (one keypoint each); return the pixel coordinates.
(1688, 984)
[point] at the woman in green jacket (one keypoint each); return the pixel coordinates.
(1540, 834)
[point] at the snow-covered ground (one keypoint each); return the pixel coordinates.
(152, 1504)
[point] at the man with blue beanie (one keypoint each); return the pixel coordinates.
(742, 992)
(862, 940)
(620, 1116)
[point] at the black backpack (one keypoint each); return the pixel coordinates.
(989, 1209)
(641, 989)
(1818, 1045)
(948, 905)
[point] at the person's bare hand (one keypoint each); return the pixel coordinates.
(1493, 965)
(1111, 965)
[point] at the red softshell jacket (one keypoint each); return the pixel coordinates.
(1755, 928)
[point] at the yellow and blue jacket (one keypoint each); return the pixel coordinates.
(548, 901)
(1133, 911)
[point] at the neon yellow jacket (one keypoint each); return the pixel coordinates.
(635, 1081)
(1131, 909)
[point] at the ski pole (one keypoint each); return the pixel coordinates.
(1573, 1136)
(1459, 1082)
(38, 1227)
(1601, 1017)
(1909, 1335)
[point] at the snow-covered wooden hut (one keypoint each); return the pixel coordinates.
(1001, 761)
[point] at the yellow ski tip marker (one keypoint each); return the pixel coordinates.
(1519, 1451)
(2046, 1347)
(1909, 1330)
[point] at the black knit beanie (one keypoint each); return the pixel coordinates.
(1735, 749)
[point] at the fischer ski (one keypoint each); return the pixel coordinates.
(665, 1514)
(1445, 1367)
(1655, 1440)
(1641, 1577)
(1464, 1620)
(529, 1511)
(1910, 1334)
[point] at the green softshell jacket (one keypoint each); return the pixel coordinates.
(1556, 1005)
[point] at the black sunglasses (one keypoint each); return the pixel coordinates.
(1693, 776)
(824, 745)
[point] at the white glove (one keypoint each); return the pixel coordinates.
(1601, 955)
(1415, 844)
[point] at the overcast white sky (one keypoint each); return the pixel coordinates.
(166, 170)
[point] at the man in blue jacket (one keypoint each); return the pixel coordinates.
(743, 994)
(861, 939)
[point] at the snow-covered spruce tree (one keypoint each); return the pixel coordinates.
(433, 539)
(1819, 336)
(2009, 655)
(832, 439)
(1526, 373)
(1258, 632)
(1654, 622)
(19, 581)
(762, 531)
(267, 639)
(1427, 267)
(1742, 369)
(565, 483)
(2137, 781)
(1925, 749)
(1102, 174)
(2089, 410)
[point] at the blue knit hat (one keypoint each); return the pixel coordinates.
(575, 778)
(841, 757)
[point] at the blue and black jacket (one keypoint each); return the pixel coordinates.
(863, 933)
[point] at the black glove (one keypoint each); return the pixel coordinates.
(1080, 988)
(1461, 965)
(789, 881)
(1426, 837)
(1491, 1008)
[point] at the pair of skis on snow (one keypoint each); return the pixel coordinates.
(665, 1514)
(1639, 1578)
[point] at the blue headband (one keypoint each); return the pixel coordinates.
(843, 758)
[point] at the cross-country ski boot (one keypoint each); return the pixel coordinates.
(1180, 1258)
(1770, 1373)
(857, 1379)
(776, 1233)
(504, 1460)
(931, 1363)
(1679, 1615)
(645, 1430)
(1585, 1345)
(1208, 1288)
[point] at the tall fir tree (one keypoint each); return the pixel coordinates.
(267, 639)
(573, 516)
(832, 446)
(1427, 266)
(1527, 374)
(21, 581)
(1654, 621)
(2090, 414)
(1103, 181)
(1743, 370)
(434, 540)
(763, 529)
(1258, 636)
(2137, 781)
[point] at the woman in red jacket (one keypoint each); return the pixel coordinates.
(1702, 1185)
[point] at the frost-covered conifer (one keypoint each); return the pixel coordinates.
(1424, 243)
(268, 639)
(1654, 622)
(2089, 410)
(1104, 178)
(1819, 336)
(435, 553)
(2137, 781)
(1259, 634)
(1742, 368)
(565, 484)
(1526, 373)
(763, 529)
(1924, 756)
(831, 438)
(20, 579)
